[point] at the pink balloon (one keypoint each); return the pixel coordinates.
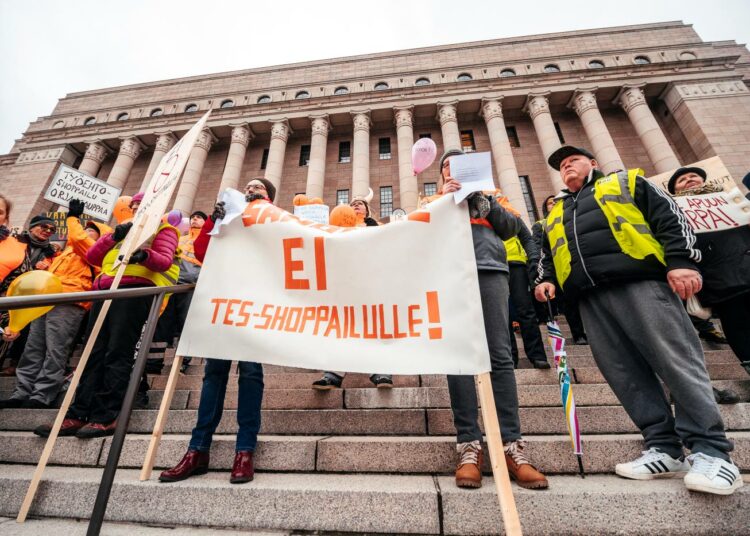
(423, 154)
(174, 218)
(184, 225)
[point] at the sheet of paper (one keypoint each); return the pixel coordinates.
(474, 172)
(234, 205)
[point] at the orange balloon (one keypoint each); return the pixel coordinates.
(343, 216)
(315, 201)
(299, 200)
(122, 210)
(32, 283)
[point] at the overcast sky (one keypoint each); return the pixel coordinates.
(49, 48)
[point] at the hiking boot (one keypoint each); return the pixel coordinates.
(96, 429)
(539, 364)
(192, 463)
(381, 381)
(69, 427)
(520, 468)
(725, 396)
(242, 469)
(712, 475)
(469, 469)
(12, 403)
(713, 335)
(328, 382)
(653, 464)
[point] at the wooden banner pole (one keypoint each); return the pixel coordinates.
(161, 419)
(497, 456)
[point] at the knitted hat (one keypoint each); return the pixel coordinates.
(200, 214)
(682, 171)
(447, 154)
(41, 219)
(137, 198)
(564, 152)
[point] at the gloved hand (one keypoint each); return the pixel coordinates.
(371, 222)
(76, 208)
(138, 256)
(479, 205)
(4, 232)
(219, 212)
(121, 231)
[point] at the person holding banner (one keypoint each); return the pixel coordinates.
(104, 381)
(623, 247)
(491, 224)
(216, 375)
(725, 267)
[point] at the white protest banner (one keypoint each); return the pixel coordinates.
(474, 172)
(147, 218)
(98, 196)
(401, 298)
(316, 213)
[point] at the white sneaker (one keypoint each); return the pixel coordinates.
(653, 464)
(712, 475)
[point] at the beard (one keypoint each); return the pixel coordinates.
(253, 197)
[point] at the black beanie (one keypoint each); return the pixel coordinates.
(200, 214)
(42, 219)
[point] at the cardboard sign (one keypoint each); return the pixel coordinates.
(316, 213)
(401, 298)
(98, 196)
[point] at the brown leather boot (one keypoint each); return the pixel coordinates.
(520, 468)
(469, 470)
(242, 470)
(192, 463)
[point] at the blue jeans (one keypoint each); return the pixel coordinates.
(211, 405)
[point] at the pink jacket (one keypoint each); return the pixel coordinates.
(160, 257)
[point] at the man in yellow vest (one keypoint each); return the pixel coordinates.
(623, 247)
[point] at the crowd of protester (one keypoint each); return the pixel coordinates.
(612, 254)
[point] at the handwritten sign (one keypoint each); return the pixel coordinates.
(316, 213)
(717, 211)
(98, 196)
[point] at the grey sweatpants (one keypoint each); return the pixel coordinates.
(41, 370)
(639, 332)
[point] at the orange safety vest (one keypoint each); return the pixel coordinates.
(12, 255)
(187, 247)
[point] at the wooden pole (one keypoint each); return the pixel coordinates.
(497, 456)
(161, 419)
(52, 438)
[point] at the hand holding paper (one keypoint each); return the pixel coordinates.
(474, 172)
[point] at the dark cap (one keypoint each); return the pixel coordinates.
(682, 171)
(564, 152)
(42, 219)
(200, 214)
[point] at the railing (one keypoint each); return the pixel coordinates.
(123, 420)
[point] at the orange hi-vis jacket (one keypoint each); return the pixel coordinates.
(187, 247)
(70, 266)
(12, 254)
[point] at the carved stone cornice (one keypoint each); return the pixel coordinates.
(280, 130)
(242, 134)
(676, 93)
(96, 151)
(165, 141)
(631, 96)
(491, 108)
(65, 154)
(536, 103)
(403, 116)
(583, 100)
(320, 125)
(206, 139)
(446, 112)
(362, 121)
(131, 147)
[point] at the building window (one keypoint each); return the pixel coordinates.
(513, 136)
(58, 124)
(341, 90)
(528, 197)
(425, 136)
(559, 132)
(384, 148)
(381, 85)
(191, 108)
(302, 95)
(263, 99)
(227, 103)
(304, 155)
(467, 141)
(687, 56)
(89, 121)
(464, 77)
(551, 68)
(596, 64)
(342, 197)
(386, 201)
(505, 73)
(264, 159)
(124, 116)
(156, 112)
(641, 60)
(422, 82)
(430, 188)
(345, 152)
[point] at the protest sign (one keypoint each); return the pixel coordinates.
(717, 175)
(474, 172)
(316, 213)
(401, 298)
(61, 222)
(69, 183)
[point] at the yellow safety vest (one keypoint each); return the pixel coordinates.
(615, 196)
(515, 250)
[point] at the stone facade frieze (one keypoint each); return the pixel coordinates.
(65, 154)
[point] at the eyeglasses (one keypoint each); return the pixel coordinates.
(255, 187)
(48, 228)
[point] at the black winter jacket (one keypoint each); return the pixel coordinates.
(725, 265)
(489, 249)
(596, 257)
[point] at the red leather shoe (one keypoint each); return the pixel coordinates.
(69, 427)
(97, 429)
(242, 470)
(192, 463)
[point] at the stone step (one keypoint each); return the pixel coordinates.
(536, 420)
(348, 454)
(389, 504)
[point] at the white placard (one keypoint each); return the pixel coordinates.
(98, 196)
(276, 289)
(474, 172)
(316, 213)
(717, 211)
